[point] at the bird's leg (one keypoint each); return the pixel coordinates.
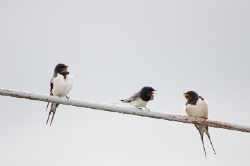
(147, 109)
(67, 97)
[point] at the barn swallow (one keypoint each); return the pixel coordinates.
(196, 106)
(141, 98)
(60, 85)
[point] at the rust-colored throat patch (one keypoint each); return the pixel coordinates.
(64, 69)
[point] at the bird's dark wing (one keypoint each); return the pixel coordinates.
(133, 97)
(51, 86)
(201, 98)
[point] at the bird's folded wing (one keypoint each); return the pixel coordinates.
(133, 97)
(51, 86)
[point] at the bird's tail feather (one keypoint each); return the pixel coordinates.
(118, 102)
(199, 128)
(47, 106)
(124, 101)
(52, 110)
(206, 131)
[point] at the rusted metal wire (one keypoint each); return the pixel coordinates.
(122, 109)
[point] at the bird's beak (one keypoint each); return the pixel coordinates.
(186, 95)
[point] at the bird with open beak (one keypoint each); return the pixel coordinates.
(60, 85)
(141, 98)
(196, 106)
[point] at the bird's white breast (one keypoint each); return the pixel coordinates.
(138, 102)
(198, 110)
(61, 86)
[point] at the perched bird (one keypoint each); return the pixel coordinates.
(141, 98)
(60, 85)
(196, 106)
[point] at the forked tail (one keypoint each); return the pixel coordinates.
(201, 130)
(52, 110)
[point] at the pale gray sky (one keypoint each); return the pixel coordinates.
(113, 48)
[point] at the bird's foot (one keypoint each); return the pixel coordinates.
(201, 118)
(67, 97)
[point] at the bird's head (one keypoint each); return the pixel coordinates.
(191, 96)
(147, 91)
(60, 68)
